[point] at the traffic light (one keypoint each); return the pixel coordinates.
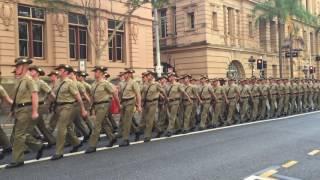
(264, 64)
(259, 64)
(311, 69)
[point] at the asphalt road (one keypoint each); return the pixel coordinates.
(228, 154)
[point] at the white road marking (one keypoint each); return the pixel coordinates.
(173, 136)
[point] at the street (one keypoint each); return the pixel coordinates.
(285, 148)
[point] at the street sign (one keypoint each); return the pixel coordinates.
(294, 54)
(82, 65)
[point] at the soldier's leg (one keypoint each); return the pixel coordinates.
(162, 116)
(187, 116)
(150, 119)
(216, 115)
(263, 109)
(127, 113)
(64, 122)
(231, 111)
(173, 110)
(44, 130)
(204, 115)
(100, 116)
(22, 137)
(194, 116)
(4, 140)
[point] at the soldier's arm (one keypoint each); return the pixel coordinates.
(74, 91)
(225, 96)
(213, 95)
(138, 96)
(185, 93)
(196, 93)
(34, 98)
(5, 96)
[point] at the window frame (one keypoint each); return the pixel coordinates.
(30, 21)
(115, 47)
(191, 20)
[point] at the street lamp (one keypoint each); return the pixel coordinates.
(251, 60)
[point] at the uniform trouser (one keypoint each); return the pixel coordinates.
(231, 112)
(272, 106)
(162, 117)
(286, 105)
(299, 103)
(188, 108)
(255, 108)
(217, 115)
(310, 100)
(305, 102)
(79, 122)
(318, 100)
(21, 134)
(42, 126)
(179, 121)
(65, 117)
(101, 121)
(173, 110)
(126, 114)
(280, 106)
(204, 113)
(293, 107)
(244, 106)
(263, 108)
(193, 115)
(149, 115)
(4, 140)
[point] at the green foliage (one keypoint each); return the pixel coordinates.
(283, 10)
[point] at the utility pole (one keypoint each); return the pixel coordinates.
(156, 22)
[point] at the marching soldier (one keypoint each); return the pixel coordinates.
(233, 95)
(25, 109)
(305, 96)
(264, 87)
(151, 93)
(300, 96)
(218, 104)
(255, 92)
(206, 95)
(245, 94)
(294, 91)
(286, 97)
(175, 90)
(189, 106)
(67, 94)
(272, 97)
(101, 93)
(4, 140)
(54, 80)
(162, 122)
(130, 99)
(44, 91)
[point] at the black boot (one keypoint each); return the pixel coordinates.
(40, 152)
(124, 143)
(56, 157)
(76, 148)
(14, 165)
(91, 150)
(111, 143)
(147, 140)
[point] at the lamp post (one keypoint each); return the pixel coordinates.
(251, 60)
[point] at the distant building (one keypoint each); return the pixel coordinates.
(30, 30)
(217, 37)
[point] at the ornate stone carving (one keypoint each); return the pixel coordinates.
(59, 22)
(6, 12)
(134, 31)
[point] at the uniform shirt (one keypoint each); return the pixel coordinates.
(27, 87)
(281, 90)
(232, 91)
(255, 90)
(152, 91)
(205, 92)
(101, 91)
(245, 91)
(130, 89)
(87, 86)
(67, 91)
(264, 88)
(294, 89)
(3, 92)
(80, 87)
(174, 91)
(287, 89)
(191, 90)
(219, 91)
(272, 90)
(44, 89)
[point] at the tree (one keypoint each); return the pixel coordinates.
(91, 10)
(284, 11)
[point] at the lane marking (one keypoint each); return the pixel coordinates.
(173, 136)
(314, 152)
(269, 173)
(289, 164)
(253, 177)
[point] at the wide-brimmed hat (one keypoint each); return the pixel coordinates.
(53, 73)
(22, 60)
(100, 68)
(65, 67)
(129, 70)
(38, 69)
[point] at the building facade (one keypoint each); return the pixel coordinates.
(72, 35)
(218, 37)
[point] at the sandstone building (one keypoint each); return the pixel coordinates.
(217, 37)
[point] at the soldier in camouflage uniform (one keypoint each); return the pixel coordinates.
(245, 94)
(272, 97)
(218, 104)
(264, 88)
(233, 94)
(206, 95)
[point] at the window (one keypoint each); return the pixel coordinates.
(191, 24)
(174, 20)
(116, 46)
(163, 23)
(250, 29)
(78, 43)
(214, 21)
(31, 31)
